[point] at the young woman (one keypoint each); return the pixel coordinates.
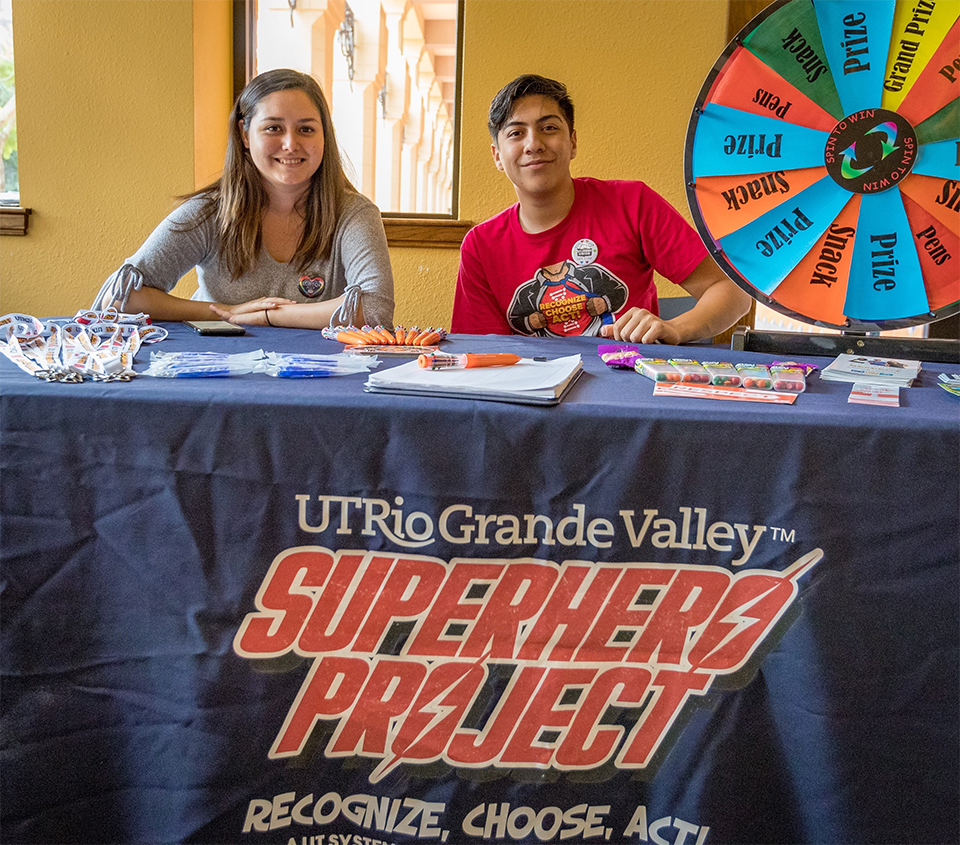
(281, 239)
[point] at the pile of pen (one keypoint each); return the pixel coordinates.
(382, 336)
(301, 365)
(277, 364)
(201, 364)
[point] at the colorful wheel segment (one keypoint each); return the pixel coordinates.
(823, 161)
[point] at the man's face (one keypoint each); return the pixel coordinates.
(535, 147)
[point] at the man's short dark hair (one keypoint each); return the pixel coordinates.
(525, 86)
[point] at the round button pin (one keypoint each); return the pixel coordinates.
(311, 286)
(584, 252)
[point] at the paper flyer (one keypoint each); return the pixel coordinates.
(864, 393)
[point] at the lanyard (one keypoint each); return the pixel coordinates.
(100, 345)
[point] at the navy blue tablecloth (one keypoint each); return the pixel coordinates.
(271, 610)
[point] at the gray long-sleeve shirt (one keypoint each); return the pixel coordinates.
(358, 264)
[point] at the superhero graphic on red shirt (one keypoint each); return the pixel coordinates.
(565, 299)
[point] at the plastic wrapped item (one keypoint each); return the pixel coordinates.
(789, 379)
(201, 364)
(691, 372)
(722, 373)
(808, 369)
(755, 376)
(620, 356)
(289, 365)
(659, 370)
(277, 364)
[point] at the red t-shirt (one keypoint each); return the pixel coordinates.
(580, 274)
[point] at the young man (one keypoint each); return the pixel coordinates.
(576, 256)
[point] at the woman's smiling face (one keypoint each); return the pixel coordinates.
(285, 140)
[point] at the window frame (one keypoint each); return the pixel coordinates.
(402, 229)
(14, 220)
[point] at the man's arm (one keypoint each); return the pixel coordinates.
(475, 308)
(720, 303)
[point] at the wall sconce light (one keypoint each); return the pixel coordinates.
(345, 35)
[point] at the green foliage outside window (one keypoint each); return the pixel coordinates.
(9, 179)
(8, 127)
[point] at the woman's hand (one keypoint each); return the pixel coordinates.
(252, 313)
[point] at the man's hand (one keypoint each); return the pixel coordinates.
(637, 325)
(720, 303)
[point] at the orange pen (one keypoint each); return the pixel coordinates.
(388, 335)
(368, 333)
(424, 338)
(351, 338)
(466, 361)
(379, 335)
(428, 339)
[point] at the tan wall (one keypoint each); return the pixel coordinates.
(105, 131)
(105, 120)
(212, 86)
(633, 69)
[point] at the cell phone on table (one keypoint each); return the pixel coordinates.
(221, 327)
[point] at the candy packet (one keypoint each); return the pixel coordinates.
(722, 373)
(691, 372)
(658, 370)
(619, 356)
(756, 376)
(788, 379)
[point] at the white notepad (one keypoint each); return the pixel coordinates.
(527, 381)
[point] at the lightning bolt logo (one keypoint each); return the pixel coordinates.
(432, 713)
(753, 610)
(740, 621)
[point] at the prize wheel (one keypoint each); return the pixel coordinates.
(822, 161)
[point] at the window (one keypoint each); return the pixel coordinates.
(13, 219)
(389, 69)
(9, 182)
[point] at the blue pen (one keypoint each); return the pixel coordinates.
(205, 371)
(294, 371)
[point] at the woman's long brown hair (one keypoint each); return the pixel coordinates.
(238, 199)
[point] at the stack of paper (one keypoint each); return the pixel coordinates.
(528, 381)
(866, 369)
